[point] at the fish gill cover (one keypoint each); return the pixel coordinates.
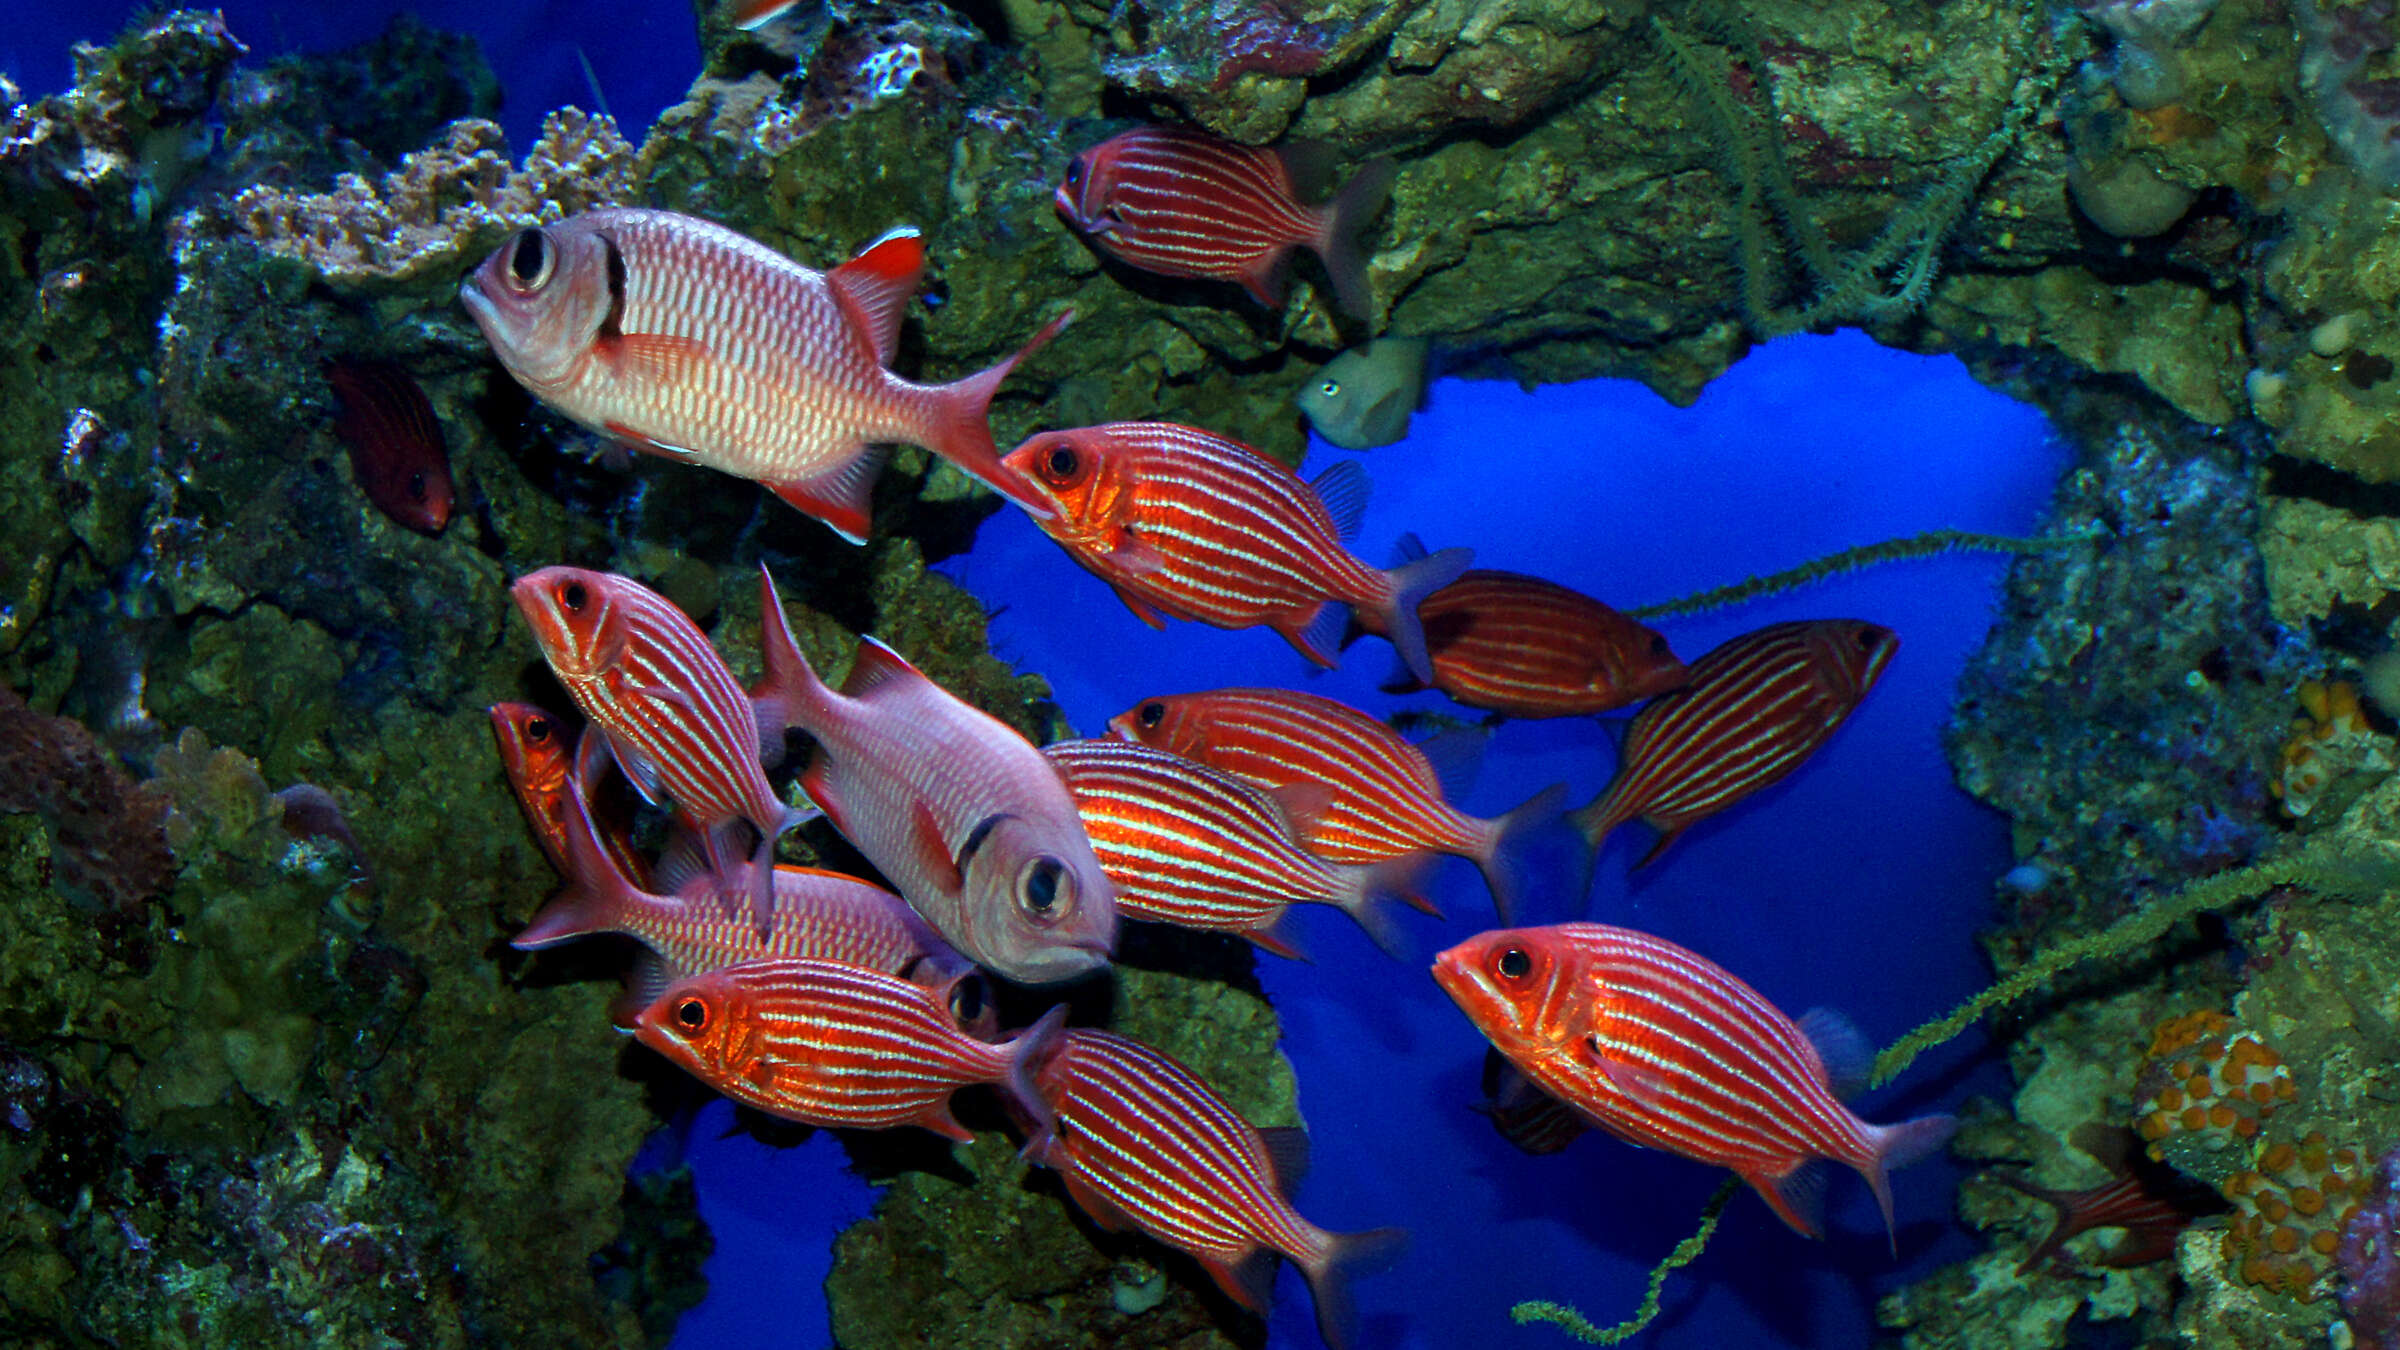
(279, 1093)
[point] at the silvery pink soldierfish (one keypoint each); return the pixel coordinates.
(957, 810)
(685, 339)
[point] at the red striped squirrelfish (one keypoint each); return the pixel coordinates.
(685, 339)
(1664, 1048)
(831, 916)
(1195, 847)
(1376, 795)
(1186, 204)
(1756, 708)
(539, 756)
(676, 722)
(1188, 524)
(830, 1044)
(1524, 647)
(1143, 1143)
(954, 808)
(395, 442)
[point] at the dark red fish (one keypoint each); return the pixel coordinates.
(1378, 796)
(1191, 846)
(538, 752)
(2151, 1201)
(1755, 710)
(1664, 1048)
(825, 1043)
(1524, 647)
(1187, 524)
(1186, 204)
(1143, 1143)
(395, 442)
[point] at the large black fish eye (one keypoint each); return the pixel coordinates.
(691, 1015)
(1075, 172)
(1151, 714)
(537, 729)
(416, 485)
(966, 998)
(1514, 964)
(529, 259)
(574, 597)
(1063, 461)
(1043, 879)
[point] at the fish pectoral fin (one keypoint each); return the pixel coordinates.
(1142, 609)
(873, 289)
(925, 836)
(655, 357)
(1133, 556)
(1102, 1210)
(1644, 1086)
(1303, 802)
(667, 694)
(639, 771)
(842, 497)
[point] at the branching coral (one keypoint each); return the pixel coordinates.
(1931, 543)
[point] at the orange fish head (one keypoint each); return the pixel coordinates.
(700, 1023)
(542, 298)
(1515, 985)
(533, 745)
(574, 616)
(1077, 475)
(1851, 654)
(1177, 724)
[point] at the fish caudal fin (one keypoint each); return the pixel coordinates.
(1347, 217)
(1501, 856)
(1896, 1146)
(1024, 1055)
(1365, 888)
(1411, 583)
(960, 429)
(1347, 1257)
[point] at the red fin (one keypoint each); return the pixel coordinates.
(1797, 1197)
(1249, 1281)
(1272, 939)
(1644, 1086)
(925, 836)
(651, 356)
(843, 497)
(1142, 609)
(959, 426)
(1102, 1210)
(1134, 556)
(874, 287)
(816, 781)
(876, 666)
(937, 1118)
(1264, 277)
(753, 14)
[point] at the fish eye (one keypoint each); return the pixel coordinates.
(574, 597)
(1514, 964)
(1330, 389)
(529, 261)
(1075, 172)
(966, 998)
(1039, 893)
(692, 1015)
(537, 729)
(416, 486)
(1868, 639)
(1151, 714)
(1062, 462)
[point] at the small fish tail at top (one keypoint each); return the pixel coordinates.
(1411, 583)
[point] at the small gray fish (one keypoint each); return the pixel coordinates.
(1362, 398)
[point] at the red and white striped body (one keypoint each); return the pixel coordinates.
(835, 1045)
(1525, 647)
(683, 338)
(1664, 1048)
(1756, 708)
(537, 751)
(1186, 204)
(1195, 847)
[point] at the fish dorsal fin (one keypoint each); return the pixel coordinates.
(874, 287)
(1311, 167)
(1408, 550)
(649, 978)
(1849, 1059)
(1343, 487)
(679, 865)
(925, 837)
(1303, 803)
(878, 667)
(1455, 755)
(1287, 1156)
(842, 496)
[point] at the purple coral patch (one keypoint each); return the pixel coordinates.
(2369, 1259)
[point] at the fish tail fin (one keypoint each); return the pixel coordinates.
(1365, 888)
(597, 894)
(960, 428)
(1502, 855)
(1897, 1146)
(1346, 219)
(1024, 1054)
(1343, 1258)
(1411, 583)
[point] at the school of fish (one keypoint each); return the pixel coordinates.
(862, 1002)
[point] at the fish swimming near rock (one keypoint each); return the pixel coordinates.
(676, 722)
(1187, 524)
(687, 340)
(395, 443)
(1376, 796)
(1664, 1048)
(698, 927)
(1364, 397)
(960, 813)
(1195, 847)
(841, 1046)
(1143, 1143)
(1520, 646)
(1184, 203)
(538, 753)
(1753, 711)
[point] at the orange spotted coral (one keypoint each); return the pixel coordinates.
(2332, 742)
(2288, 1214)
(2204, 1093)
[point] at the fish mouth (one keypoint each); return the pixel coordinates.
(1460, 980)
